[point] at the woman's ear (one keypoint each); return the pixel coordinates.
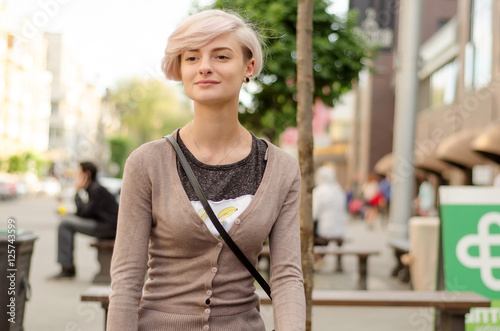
(250, 67)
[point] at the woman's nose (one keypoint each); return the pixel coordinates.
(205, 66)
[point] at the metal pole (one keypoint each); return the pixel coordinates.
(404, 118)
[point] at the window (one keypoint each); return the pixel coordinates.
(54, 109)
(443, 85)
(479, 51)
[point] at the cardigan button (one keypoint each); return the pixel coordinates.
(206, 327)
(214, 269)
(207, 311)
(237, 221)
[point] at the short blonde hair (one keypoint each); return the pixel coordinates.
(199, 29)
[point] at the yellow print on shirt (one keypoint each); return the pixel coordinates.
(224, 213)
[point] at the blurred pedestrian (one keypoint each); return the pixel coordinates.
(372, 197)
(385, 191)
(426, 201)
(329, 206)
(329, 210)
(195, 281)
(96, 216)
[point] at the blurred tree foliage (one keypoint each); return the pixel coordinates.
(339, 54)
(148, 110)
(120, 147)
(23, 163)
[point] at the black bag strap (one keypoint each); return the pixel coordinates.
(230, 243)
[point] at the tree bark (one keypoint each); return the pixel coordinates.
(305, 90)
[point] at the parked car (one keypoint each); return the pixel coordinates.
(8, 187)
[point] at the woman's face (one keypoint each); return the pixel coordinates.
(213, 73)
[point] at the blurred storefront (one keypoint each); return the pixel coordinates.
(459, 110)
(375, 98)
(457, 129)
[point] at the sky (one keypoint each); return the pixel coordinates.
(110, 39)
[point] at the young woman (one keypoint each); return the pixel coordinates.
(194, 281)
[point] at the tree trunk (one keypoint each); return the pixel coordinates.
(305, 90)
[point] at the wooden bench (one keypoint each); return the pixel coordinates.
(98, 294)
(319, 241)
(400, 271)
(451, 306)
(104, 253)
(362, 253)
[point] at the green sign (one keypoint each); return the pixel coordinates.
(484, 318)
(470, 218)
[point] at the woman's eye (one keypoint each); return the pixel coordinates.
(222, 57)
(190, 58)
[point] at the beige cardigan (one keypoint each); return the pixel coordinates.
(195, 282)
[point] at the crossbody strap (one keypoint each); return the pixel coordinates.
(230, 243)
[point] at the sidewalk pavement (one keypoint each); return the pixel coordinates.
(56, 305)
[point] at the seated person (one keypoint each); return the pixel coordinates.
(329, 207)
(96, 216)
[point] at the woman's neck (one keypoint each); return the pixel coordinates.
(216, 137)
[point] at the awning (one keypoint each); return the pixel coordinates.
(384, 165)
(488, 143)
(431, 164)
(427, 163)
(456, 149)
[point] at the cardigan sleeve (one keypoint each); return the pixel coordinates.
(129, 262)
(287, 284)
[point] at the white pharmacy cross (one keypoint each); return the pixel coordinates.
(484, 240)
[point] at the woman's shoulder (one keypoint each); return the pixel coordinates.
(149, 149)
(150, 153)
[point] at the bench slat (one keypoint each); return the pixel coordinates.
(334, 250)
(438, 299)
(97, 293)
(345, 250)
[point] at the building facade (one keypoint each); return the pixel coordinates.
(458, 122)
(25, 87)
(75, 107)
(375, 102)
(46, 106)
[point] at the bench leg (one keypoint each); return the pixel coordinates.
(104, 258)
(452, 320)
(400, 271)
(363, 271)
(339, 257)
(105, 306)
(399, 265)
(339, 268)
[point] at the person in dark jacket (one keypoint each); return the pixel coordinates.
(96, 215)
